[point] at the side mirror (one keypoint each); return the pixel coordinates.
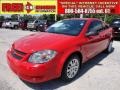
(92, 33)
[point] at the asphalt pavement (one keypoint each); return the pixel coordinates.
(100, 73)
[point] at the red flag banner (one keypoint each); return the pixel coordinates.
(87, 6)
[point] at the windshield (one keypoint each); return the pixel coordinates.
(31, 21)
(43, 21)
(68, 27)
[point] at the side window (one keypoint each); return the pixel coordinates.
(95, 26)
(36, 21)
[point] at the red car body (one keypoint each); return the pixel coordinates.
(65, 45)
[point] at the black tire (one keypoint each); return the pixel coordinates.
(11, 28)
(64, 75)
(23, 28)
(30, 29)
(15, 27)
(109, 48)
(37, 29)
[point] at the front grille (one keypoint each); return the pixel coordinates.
(17, 54)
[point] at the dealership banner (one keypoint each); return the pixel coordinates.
(28, 7)
(59, 6)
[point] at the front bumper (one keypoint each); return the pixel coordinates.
(34, 73)
(31, 27)
(9, 26)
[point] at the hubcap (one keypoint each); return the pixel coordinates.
(110, 47)
(72, 68)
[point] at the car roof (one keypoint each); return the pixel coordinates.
(83, 19)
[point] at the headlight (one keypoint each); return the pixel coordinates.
(42, 56)
(41, 25)
(118, 28)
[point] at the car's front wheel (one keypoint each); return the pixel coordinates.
(71, 68)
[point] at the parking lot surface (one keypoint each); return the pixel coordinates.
(100, 73)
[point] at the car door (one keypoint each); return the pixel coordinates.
(105, 34)
(93, 42)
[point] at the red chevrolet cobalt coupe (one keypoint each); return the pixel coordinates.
(60, 51)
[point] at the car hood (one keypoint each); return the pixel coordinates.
(115, 25)
(8, 22)
(41, 41)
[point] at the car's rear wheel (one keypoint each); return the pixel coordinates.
(23, 28)
(37, 29)
(30, 29)
(71, 68)
(15, 27)
(109, 48)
